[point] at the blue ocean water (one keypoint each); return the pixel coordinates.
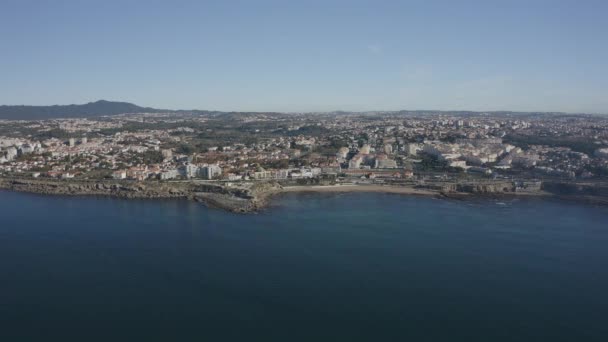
(331, 267)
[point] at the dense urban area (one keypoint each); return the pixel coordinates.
(414, 148)
(277, 146)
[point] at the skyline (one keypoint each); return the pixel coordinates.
(143, 107)
(321, 56)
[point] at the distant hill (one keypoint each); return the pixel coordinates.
(103, 107)
(91, 109)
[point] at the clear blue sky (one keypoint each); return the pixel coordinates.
(308, 55)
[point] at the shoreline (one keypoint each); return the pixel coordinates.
(258, 196)
(411, 191)
(361, 188)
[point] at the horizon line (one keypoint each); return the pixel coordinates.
(314, 111)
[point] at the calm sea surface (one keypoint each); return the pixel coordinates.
(348, 267)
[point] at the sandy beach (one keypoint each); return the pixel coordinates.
(405, 190)
(362, 188)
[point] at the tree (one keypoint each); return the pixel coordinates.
(152, 157)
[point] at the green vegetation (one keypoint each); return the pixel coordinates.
(312, 130)
(98, 174)
(53, 133)
(430, 163)
(276, 164)
(91, 109)
(185, 149)
(152, 157)
(578, 144)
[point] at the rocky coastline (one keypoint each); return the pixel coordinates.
(235, 199)
(256, 196)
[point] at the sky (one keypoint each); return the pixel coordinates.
(294, 56)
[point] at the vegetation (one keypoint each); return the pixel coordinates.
(430, 163)
(152, 157)
(92, 109)
(578, 144)
(312, 130)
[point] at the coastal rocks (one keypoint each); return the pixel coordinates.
(228, 202)
(474, 188)
(60, 187)
(253, 196)
(316, 181)
(579, 189)
(482, 188)
(588, 192)
(240, 200)
(250, 198)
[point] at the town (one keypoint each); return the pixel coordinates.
(373, 147)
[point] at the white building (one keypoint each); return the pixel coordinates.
(342, 153)
(167, 153)
(411, 149)
(458, 163)
(169, 174)
(26, 149)
(192, 170)
(11, 153)
(210, 171)
(383, 162)
(355, 162)
(121, 174)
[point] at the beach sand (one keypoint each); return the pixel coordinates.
(362, 188)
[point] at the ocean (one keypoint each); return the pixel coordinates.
(313, 267)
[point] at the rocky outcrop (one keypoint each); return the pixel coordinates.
(322, 180)
(485, 188)
(577, 189)
(472, 187)
(237, 199)
(587, 192)
(100, 188)
(243, 200)
(254, 196)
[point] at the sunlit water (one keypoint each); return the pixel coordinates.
(347, 267)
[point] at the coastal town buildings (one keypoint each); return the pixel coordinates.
(301, 146)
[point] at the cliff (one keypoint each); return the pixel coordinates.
(100, 188)
(237, 199)
(572, 188)
(251, 197)
(473, 188)
(481, 188)
(244, 200)
(596, 193)
(316, 181)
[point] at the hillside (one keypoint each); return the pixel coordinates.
(91, 109)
